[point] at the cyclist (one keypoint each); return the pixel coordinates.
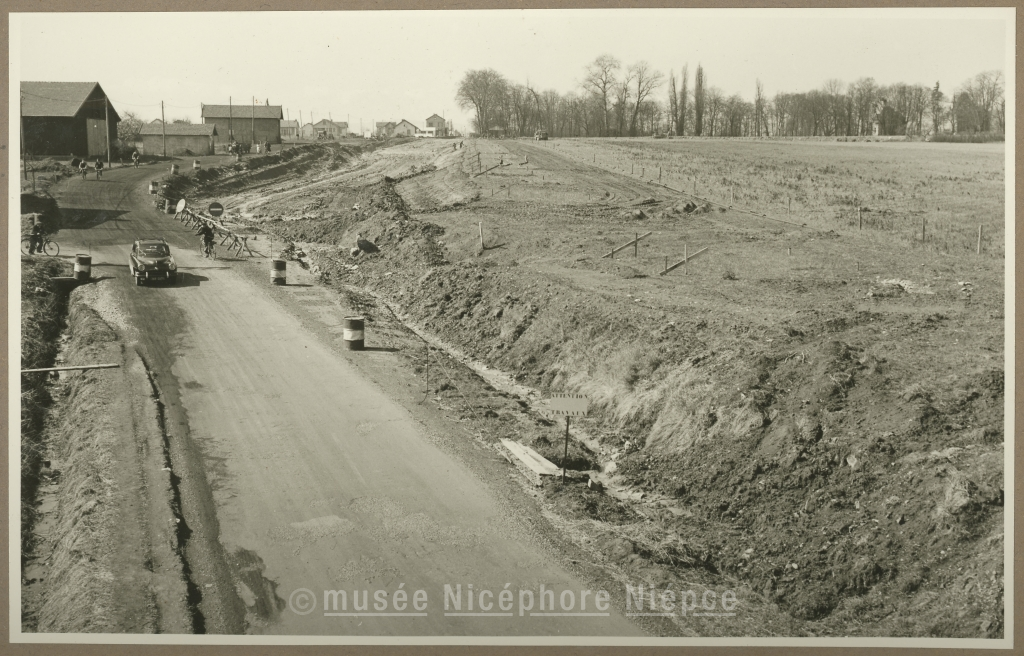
(99, 168)
(135, 158)
(36, 238)
(83, 167)
(206, 232)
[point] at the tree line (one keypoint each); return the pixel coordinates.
(614, 101)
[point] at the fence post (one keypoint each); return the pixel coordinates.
(789, 205)
(685, 257)
(860, 219)
(659, 175)
(979, 239)
(636, 242)
(694, 185)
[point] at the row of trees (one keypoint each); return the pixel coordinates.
(612, 100)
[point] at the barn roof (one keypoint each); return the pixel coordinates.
(180, 130)
(289, 124)
(59, 98)
(435, 116)
(243, 111)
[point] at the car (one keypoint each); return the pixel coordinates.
(541, 135)
(151, 260)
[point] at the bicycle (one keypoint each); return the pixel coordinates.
(48, 247)
(208, 249)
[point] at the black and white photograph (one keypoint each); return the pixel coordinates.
(579, 327)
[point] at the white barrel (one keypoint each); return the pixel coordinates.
(153, 187)
(278, 272)
(169, 207)
(83, 267)
(174, 169)
(195, 165)
(353, 333)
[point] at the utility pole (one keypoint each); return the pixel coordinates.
(163, 127)
(231, 133)
(252, 124)
(106, 125)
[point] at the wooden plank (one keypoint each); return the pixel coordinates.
(490, 169)
(627, 244)
(684, 260)
(530, 458)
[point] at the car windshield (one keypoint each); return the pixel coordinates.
(154, 250)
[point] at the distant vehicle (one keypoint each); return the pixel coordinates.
(151, 260)
(541, 135)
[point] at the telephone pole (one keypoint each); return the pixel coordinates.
(163, 127)
(231, 133)
(252, 124)
(106, 121)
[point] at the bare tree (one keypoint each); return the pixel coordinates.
(759, 107)
(129, 127)
(600, 81)
(683, 95)
(645, 81)
(673, 103)
(698, 101)
(477, 91)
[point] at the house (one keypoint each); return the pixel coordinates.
(404, 129)
(439, 124)
(62, 118)
(384, 129)
(238, 122)
(289, 130)
(181, 139)
(327, 129)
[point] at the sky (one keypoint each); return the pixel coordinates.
(388, 65)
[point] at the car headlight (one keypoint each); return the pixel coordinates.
(142, 267)
(171, 264)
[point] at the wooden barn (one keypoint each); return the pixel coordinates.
(239, 122)
(67, 118)
(182, 139)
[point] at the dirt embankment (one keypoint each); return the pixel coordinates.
(103, 554)
(824, 472)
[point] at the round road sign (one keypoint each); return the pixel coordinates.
(181, 205)
(216, 209)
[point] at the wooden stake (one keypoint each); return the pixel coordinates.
(860, 220)
(684, 260)
(659, 175)
(732, 195)
(789, 205)
(636, 242)
(979, 239)
(481, 226)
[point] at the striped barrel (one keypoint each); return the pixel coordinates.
(170, 206)
(278, 271)
(153, 187)
(195, 165)
(174, 169)
(353, 333)
(83, 267)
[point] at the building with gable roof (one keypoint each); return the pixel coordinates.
(239, 122)
(67, 118)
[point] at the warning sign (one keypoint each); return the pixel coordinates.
(568, 405)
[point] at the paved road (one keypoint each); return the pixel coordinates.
(296, 473)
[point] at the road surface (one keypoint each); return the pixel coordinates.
(298, 476)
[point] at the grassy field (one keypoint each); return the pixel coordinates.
(951, 188)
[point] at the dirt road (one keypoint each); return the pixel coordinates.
(297, 475)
